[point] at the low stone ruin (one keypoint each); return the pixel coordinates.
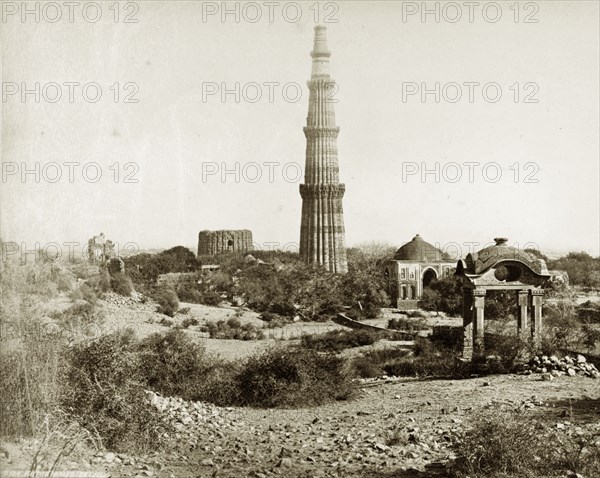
(552, 366)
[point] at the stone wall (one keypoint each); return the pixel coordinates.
(219, 242)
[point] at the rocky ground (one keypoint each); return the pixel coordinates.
(400, 428)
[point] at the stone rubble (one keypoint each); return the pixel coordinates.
(319, 442)
(552, 367)
(117, 299)
(192, 420)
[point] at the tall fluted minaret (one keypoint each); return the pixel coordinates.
(322, 235)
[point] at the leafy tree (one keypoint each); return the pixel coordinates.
(583, 269)
(446, 295)
(443, 295)
(264, 290)
(431, 300)
(363, 291)
(369, 256)
(537, 253)
(319, 294)
(500, 304)
(145, 268)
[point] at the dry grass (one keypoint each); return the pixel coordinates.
(512, 444)
(30, 356)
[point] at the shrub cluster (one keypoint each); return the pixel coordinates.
(145, 268)
(188, 322)
(371, 364)
(233, 329)
(310, 292)
(121, 283)
(82, 316)
(513, 444)
(294, 377)
(274, 321)
(589, 312)
(84, 292)
(64, 280)
(428, 359)
(168, 302)
(104, 392)
(171, 364)
(190, 292)
(338, 340)
(284, 285)
(408, 325)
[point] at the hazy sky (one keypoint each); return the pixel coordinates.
(179, 135)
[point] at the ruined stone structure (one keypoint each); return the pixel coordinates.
(219, 242)
(322, 234)
(173, 279)
(501, 267)
(414, 266)
(101, 249)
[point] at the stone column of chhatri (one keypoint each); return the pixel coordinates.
(322, 231)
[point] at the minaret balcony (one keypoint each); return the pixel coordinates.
(318, 191)
(321, 132)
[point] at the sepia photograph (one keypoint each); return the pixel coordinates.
(300, 239)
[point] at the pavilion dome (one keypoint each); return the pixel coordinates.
(486, 258)
(418, 250)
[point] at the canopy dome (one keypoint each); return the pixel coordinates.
(488, 257)
(418, 250)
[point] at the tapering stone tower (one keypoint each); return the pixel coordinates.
(322, 232)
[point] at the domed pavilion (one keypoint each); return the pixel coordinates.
(501, 267)
(413, 267)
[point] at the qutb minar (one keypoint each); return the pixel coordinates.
(322, 234)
